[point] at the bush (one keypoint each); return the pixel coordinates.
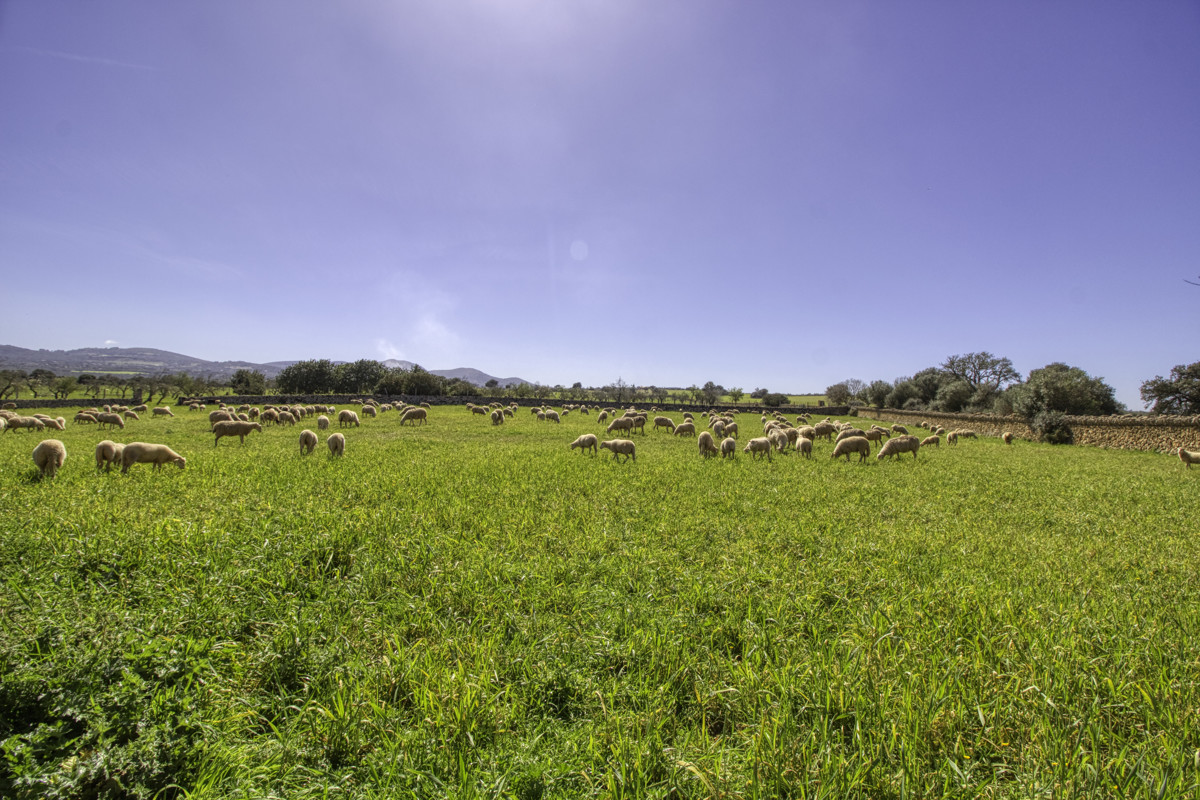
(774, 399)
(1051, 427)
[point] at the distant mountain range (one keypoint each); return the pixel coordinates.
(149, 361)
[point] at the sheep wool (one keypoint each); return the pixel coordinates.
(337, 444)
(759, 447)
(308, 442)
(586, 441)
(49, 455)
(897, 445)
(146, 453)
(108, 455)
(708, 447)
(728, 447)
(854, 444)
(620, 447)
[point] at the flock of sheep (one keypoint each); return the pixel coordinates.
(779, 435)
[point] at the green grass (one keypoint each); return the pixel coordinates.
(476, 611)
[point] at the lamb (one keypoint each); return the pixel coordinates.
(758, 447)
(235, 428)
(685, 429)
(144, 453)
(497, 417)
(708, 447)
(110, 419)
(664, 422)
(1188, 457)
(337, 444)
(586, 441)
(620, 447)
(933, 441)
(804, 446)
(854, 444)
(108, 455)
(414, 415)
(161, 411)
(49, 455)
(347, 417)
(1007, 437)
(897, 445)
(621, 424)
(731, 430)
(308, 442)
(728, 447)
(322, 422)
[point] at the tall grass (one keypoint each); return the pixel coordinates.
(476, 611)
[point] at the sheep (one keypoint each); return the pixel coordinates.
(620, 424)
(308, 442)
(778, 439)
(132, 415)
(347, 417)
(59, 424)
(968, 435)
(49, 455)
(586, 441)
(875, 435)
(414, 415)
(731, 430)
(369, 411)
(1188, 457)
(718, 428)
(161, 411)
(952, 437)
(620, 447)
(481, 410)
(900, 429)
(931, 441)
(234, 428)
(601, 417)
(497, 417)
(846, 433)
(1007, 437)
(110, 420)
(758, 447)
(337, 444)
(3, 424)
(708, 447)
(108, 455)
(804, 446)
(854, 444)
(823, 430)
(728, 447)
(897, 445)
(664, 422)
(639, 423)
(144, 453)
(84, 418)
(552, 414)
(269, 416)
(685, 429)
(287, 418)
(219, 416)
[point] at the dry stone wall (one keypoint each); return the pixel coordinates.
(1127, 432)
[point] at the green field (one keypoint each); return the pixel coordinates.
(475, 611)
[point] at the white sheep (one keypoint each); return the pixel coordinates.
(731, 430)
(897, 445)
(322, 422)
(108, 455)
(269, 416)
(369, 411)
(603, 415)
(1007, 437)
(414, 415)
(497, 417)
(234, 428)
(639, 423)
(620, 424)
(931, 441)
(664, 422)
(220, 415)
(708, 447)
(347, 417)
(161, 411)
(685, 429)
(1188, 457)
(58, 424)
(586, 441)
(84, 418)
(759, 447)
(49, 455)
(145, 453)
(778, 440)
(308, 442)
(854, 444)
(728, 447)
(824, 430)
(110, 419)
(337, 444)
(552, 414)
(620, 447)
(804, 446)
(900, 429)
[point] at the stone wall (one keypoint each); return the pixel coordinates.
(1126, 432)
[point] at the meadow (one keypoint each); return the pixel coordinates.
(466, 610)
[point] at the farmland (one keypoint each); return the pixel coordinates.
(477, 611)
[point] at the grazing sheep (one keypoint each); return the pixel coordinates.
(731, 430)
(552, 414)
(968, 435)
(603, 415)
(804, 446)
(497, 417)
(322, 422)
(758, 447)
(855, 444)
(778, 440)
(347, 417)
(161, 411)
(234, 428)
(586, 441)
(269, 416)
(846, 433)
(718, 428)
(931, 441)
(1188, 457)
(824, 430)
(221, 415)
(414, 415)
(728, 447)
(108, 455)
(84, 418)
(337, 444)
(664, 422)
(59, 424)
(620, 447)
(1007, 437)
(620, 424)
(897, 445)
(685, 429)
(708, 447)
(952, 437)
(49, 455)
(132, 415)
(369, 411)
(287, 418)
(875, 435)
(900, 429)
(145, 453)
(639, 423)
(481, 410)
(308, 442)
(3, 424)
(110, 419)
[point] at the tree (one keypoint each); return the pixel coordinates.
(900, 394)
(929, 381)
(735, 394)
(759, 393)
(421, 381)
(774, 399)
(1066, 390)
(359, 377)
(838, 394)
(877, 393)
(980, 369)
(248, 381)
(953, 396)
(856, 388)
(1179, 394)
(492, 384)
(314, 376)
(712, 392)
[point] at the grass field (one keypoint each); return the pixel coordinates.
(475, 611)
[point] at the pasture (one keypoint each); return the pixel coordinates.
(468, 610)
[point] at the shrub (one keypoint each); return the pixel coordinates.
(774, 399)
(1051, 427)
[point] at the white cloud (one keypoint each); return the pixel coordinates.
(111, 343)
(389, 350)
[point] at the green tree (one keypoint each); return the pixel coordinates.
(1178, 394)
(838, 394)
(248, 381)
(952, 396)
(928, 382)
(736, 394)
(981, 369)
(63, 387)
(315, 376)
(712, 392)
(1065, 389)
(877, 393)
(358, 377)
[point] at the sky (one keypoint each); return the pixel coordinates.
(762, 193)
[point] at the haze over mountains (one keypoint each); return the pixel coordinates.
(150, 361)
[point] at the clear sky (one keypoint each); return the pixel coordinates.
(772, 193)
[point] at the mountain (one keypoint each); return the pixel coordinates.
(149, 361)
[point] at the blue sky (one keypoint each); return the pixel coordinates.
(775, 194)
